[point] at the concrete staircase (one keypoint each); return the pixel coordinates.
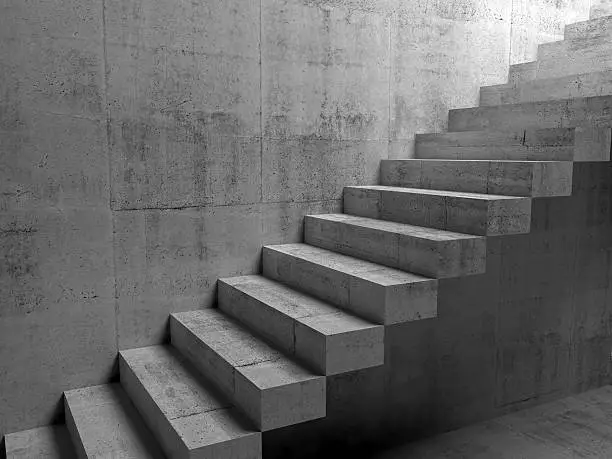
(260, 360)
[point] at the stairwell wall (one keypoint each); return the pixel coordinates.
(149, 148)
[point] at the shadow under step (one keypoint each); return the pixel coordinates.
(271, 389)
(377, 293)
(103, 423)
(555, 144)
(502, 177)
(565, 87)
(51, 442)
(469, 213)
(189, 417)
(329, 340)
(426, 251)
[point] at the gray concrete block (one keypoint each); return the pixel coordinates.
(425, 251)
(379, 294)
(591, 114)
(570, 57)
(600, 9)
(189, 418)
(301, 325)
(51, 442)
(480, 214)
(517, 178)
(280, 393)
(257, 378)
(520, 73)
(518, 145)
(103, 423)
(564, 87)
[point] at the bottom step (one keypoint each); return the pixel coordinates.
(52, 442)
(103, 423)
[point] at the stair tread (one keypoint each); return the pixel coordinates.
(404, 229)
(50, 442)
(372, 272)
(243, 350)
(299, 306)
(199, 414)
(444, 193)
(108, 424)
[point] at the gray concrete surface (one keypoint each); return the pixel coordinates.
(149, 149)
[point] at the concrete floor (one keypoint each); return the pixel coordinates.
(575, 427)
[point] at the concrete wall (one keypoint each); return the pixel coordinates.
(148, 148)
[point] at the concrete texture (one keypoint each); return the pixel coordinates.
(189, 418)
(471, 213)
(328, 339)
(381, 295)
(426, 251)
(44, 443)
(103, 423)
(271, 389)
(513, 178)
(565, 87)
(577, 426)
(153, 147)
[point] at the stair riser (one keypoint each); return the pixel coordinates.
(589, 85)
(463, 215)
(572, 58)
(74, 432)
(520, 73)
(501, 178)
(420, 256)
(269, 323)
(267, 408)
(377, 303)
(170, 441)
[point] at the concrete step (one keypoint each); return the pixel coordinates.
(592, 115)
(471, 213)
(103, 423)
(377, 293)
(572, 57)
(520, 73)
(51, 442)
(190, 419)
(426, 251)
(593, 28)
(519, 145)
(271, 389)
(514, 178)
(566, 87)
(329, 340)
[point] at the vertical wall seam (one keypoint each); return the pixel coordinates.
(110, 171)
(261, 97)
(392, 18)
